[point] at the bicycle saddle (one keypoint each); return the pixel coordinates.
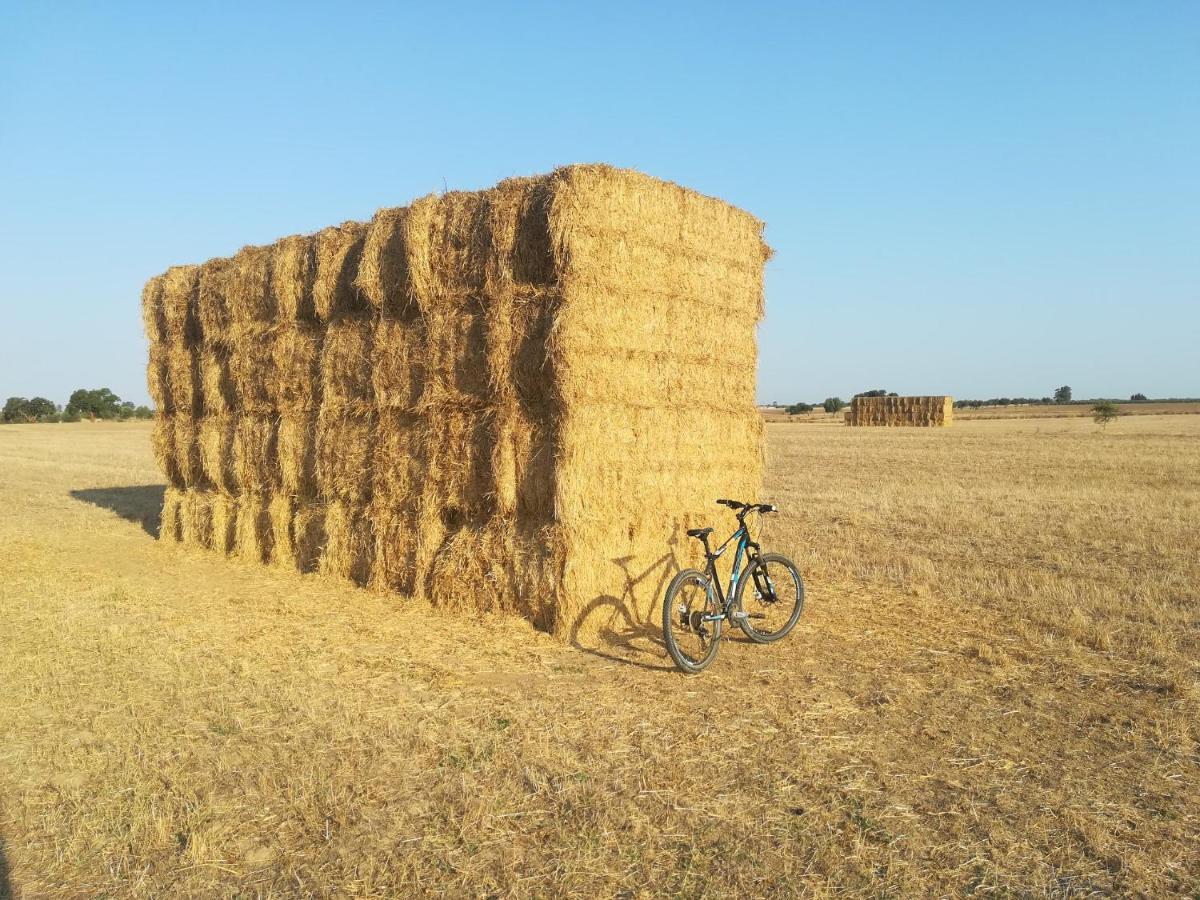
(699, 532)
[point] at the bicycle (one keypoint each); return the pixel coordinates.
(695, 606)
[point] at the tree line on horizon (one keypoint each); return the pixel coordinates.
(86, 403)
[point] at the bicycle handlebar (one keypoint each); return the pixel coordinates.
(749, 507)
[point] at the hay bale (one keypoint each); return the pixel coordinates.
(180, 315)
(214, 313)
(196, 516)
(346, 362)
(296, 355)
(184, 446)
(217, 393)
(153, 316)
(252, 370)
(156, 378)
(398, 363)
(248, 288)
(349, 543)
(337, 252)
(297, 446)
(255, 538)
(182, 376)
(896, 412)
(280, 513)
(293, 270)
(224, 522)
(171, 526)
(345, 437)
(382, 276)
(216, 440)
(162, 443)
(308, 536)
(489, 391)
(255, 454)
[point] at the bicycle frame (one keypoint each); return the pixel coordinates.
(745, 546)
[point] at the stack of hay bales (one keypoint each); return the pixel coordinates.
(901, 411)
(511, 399)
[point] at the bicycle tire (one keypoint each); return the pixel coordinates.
(680, 615)
(770, 563)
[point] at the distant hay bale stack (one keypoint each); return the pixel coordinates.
(512, 399)
(894, 412)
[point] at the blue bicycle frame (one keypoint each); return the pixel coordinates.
(743, 542)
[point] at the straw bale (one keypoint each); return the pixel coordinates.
(308, 536)
(224, 522)
(215, 435)
(346, 362)
(395, 552)
(255, 453)
(196, 516)
(293, 270)
(248, 288)
(298, 455)
(153, 316)
(398, 363)
(510, 399)
(181, 392)
(185, 447)
(296, 354)
(382, 276)
(162, 443)
(179, 305)
(396, 461)
(252, 369)
(280, 513)
(213, 303)
(343, 454)
(349, 543)
(156, 378)
(217, 392)
(171, 526)
(337, 252)
(255, 539)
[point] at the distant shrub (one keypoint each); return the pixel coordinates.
(1104, 412)
(1138, 398)
(833, 404)
(797, 408)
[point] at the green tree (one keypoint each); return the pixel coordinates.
(1104, 412)
(41, 408)
(797, 408)
(143, 412)
(1063, 394)
(99, 403)
(1138, 398)
(833, 404)
(15, 410)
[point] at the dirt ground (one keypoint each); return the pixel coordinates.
(995, 689)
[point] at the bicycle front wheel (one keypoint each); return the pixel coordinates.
(771, 594)
(691, 636)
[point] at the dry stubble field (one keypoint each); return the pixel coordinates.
(993, 690)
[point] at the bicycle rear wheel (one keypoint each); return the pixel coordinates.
(691, 640)
(771, 594)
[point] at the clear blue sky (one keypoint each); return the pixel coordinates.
(980, 199)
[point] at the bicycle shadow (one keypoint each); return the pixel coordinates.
(137, 503)
(623, 629)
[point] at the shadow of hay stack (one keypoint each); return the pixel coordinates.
(482, 398)
(142, 503)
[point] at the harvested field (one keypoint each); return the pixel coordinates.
(994, 690)
(440, 374)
